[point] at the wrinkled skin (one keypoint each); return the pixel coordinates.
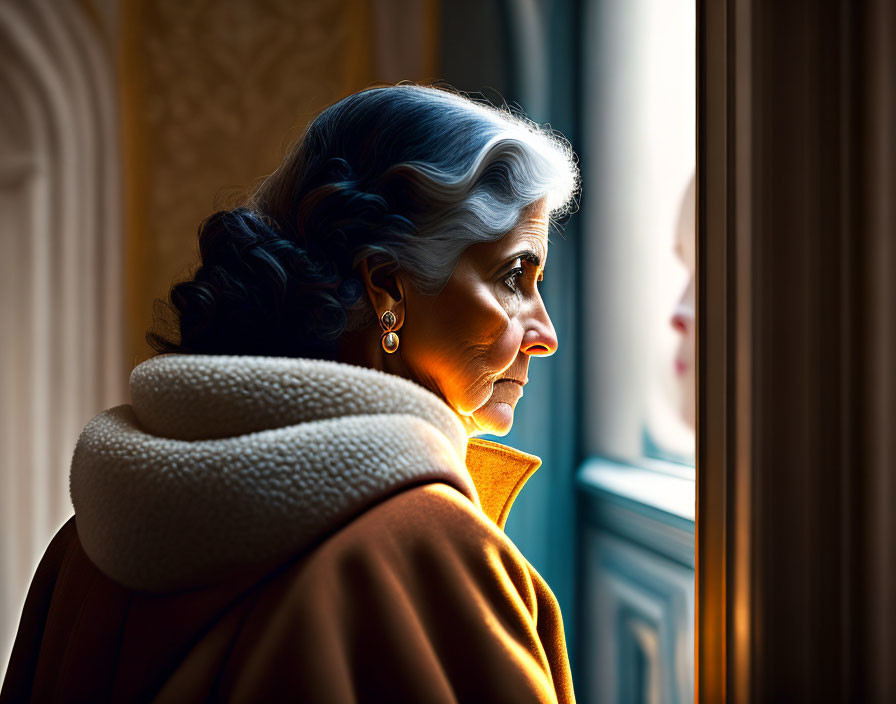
(471, 343)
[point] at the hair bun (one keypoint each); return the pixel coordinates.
(256, 292)
(225, 236)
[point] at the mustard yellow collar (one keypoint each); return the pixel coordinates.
(499, 473)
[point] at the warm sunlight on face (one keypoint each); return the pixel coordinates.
(471, 343)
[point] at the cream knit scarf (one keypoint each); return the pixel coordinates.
(226, 463)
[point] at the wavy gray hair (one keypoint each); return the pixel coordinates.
(461, 171)
(407, 176)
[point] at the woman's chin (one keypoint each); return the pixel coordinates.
(494, 418)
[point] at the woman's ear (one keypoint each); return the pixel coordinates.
(385, 290)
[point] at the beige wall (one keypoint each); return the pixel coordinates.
(211, 95)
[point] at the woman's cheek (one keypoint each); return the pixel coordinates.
(508, 340)
(490, 318)
(507, 346)
(509, 302)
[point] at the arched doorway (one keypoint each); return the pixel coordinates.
(60, 251)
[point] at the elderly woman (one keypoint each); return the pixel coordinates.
(295, 505)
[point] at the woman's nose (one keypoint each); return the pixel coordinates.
(540, 338)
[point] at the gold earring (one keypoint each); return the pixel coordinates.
(390, 337)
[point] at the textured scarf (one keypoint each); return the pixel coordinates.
(228, 463)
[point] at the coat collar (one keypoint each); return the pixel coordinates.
(498, 472)
(224, 463)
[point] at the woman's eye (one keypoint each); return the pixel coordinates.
(513, 277)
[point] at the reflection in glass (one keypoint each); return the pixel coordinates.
(671, 410)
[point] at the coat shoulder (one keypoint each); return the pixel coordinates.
(421, 598)
(432, 527)
(430, 511)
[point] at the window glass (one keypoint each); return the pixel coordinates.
(671, 402)
(639, 154)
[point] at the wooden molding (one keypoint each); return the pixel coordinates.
(796, 398)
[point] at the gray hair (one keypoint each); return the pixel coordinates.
(404, 176)
(469, 170)
(477, 181)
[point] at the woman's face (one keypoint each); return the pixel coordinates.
(471, 344)
(683, 315)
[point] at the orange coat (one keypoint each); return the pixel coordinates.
(413, 594)
(422, 598)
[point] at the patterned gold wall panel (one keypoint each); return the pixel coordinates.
(213, 92)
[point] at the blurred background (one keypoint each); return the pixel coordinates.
(123, 123)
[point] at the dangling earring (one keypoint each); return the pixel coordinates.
(390, 337)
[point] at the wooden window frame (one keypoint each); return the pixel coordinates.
(796, 163)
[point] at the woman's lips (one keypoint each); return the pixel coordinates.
(507, 391)
(521, 382)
